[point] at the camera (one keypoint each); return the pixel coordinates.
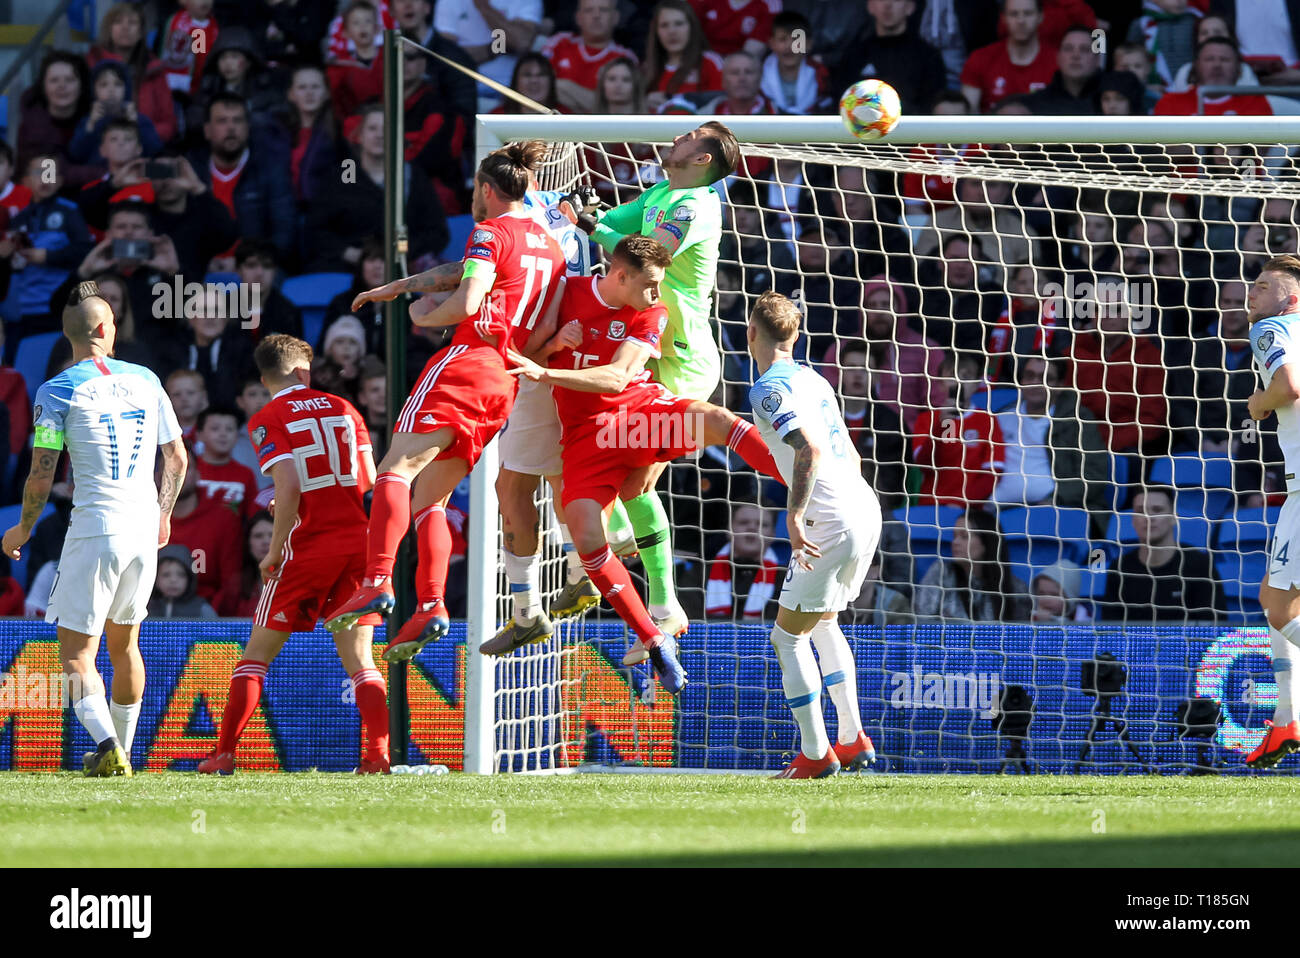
(1102, 677)
(132, 249)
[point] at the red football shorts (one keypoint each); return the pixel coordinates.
(649, 426)
(312, 586)
(465, 389)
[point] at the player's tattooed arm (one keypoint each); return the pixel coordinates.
(35, 493)
(173, 475)
(806, 458)
(440, 279)
(37, 490)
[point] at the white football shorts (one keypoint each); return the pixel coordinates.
(103, 577)
(1284, 550)
(836, 576)
(530, 441)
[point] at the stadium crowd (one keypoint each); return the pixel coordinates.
(257, 155)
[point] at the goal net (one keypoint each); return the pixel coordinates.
(1037, 330)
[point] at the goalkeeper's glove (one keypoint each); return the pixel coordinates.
(580, 207)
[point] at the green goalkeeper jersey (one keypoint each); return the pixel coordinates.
(690, 365)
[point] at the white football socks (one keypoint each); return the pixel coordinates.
(573, 570)
(522, 572)
(1285, 646)
(124, 719)
(92, 712)
(840, 674)
(802, 684)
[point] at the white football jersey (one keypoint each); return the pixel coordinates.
(790, 396)
(574, 243)
(1274, 342)
(112, 416)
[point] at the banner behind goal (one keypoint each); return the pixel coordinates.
(1037, 330)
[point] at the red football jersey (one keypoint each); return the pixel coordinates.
(528, 263)
(604, 330)
(1184, 104)
(323, 436)
(959, 461)
(230, 483)
(990, 68)
(574, 60)
(727, 28)
(707, 78)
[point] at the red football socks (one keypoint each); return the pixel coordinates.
(245, 692)
(372, 703)
(390, 515)
(749, 445)
(609, 575)
(433, 542)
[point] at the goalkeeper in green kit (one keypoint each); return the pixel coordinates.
(684, 213)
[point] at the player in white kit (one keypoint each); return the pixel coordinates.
(1273, 307)
(112, 417)
(834, 522)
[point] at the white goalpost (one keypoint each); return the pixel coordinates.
(996, 241)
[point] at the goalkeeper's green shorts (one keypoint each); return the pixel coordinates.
(689, 375)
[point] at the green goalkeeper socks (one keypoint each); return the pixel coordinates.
(618, 527)
(650, 523)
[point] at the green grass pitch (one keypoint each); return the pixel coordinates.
(679, 820)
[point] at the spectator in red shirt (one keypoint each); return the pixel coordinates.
(1022, 63)
(213, 534)
(958, 449)
(1058, 17)
(121, 37)
(220, 477)
(13, 196)
(579, 58)
(1217, 63)
(937, 189)
(1120, 377)
(360, 78)
(183, 58)
(677, 55)
(793, 80)
(732, 25)
(741, 76)
(744, 573)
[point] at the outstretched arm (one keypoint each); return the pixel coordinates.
(35, 494)
(440, 279)
(610, 378)
(461, 305)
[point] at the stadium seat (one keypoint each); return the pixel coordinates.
(1193, 470)
(32, 357)
(9, 516)
(1241, 572)
(1048, 533)
(311, 293)
(929, 533)
(1193, 531)
(1246, 530)
(458, 228)
(215, 278)
(996, 399)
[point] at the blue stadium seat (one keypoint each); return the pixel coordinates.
(1192, 531)
(221, 278)
(996, 399)
(458, 228)
(929, 533)
(1192, 469)
(1047, 533)
(311, 293)
(9, 515)
(1241, 572)
(1247, 530)
(31, 359)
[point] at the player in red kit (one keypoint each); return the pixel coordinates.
(617, 423)
(512, 270)
(317, 449)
